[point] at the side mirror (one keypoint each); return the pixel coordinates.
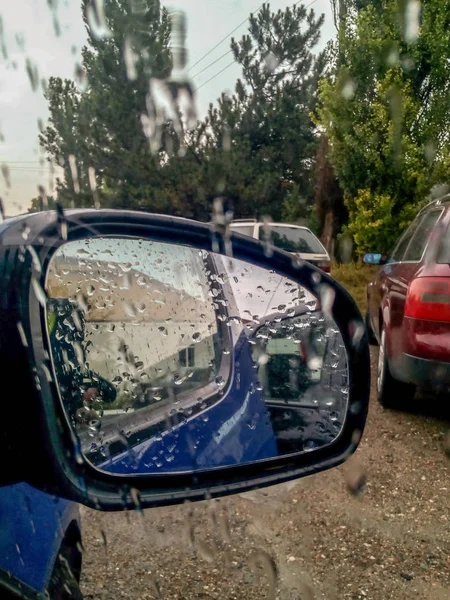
(157, 360)
(373, 258)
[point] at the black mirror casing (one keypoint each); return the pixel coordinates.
(36, 440)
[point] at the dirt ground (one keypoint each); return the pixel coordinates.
(310, 539)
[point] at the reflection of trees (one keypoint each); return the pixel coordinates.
(289, 344)
(287, 377)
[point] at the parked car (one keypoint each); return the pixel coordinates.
(156, 302)
(292, 238)
(40, 540)
(40, 544)
(408, 308)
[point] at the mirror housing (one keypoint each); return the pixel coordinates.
(374, 258)
(38, 444)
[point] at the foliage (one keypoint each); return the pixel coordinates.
(267, 168)
(373, 224)
(385, 112)
(95, 123)
(355, 277)
(256, 147)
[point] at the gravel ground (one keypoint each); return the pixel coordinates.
(311, 539)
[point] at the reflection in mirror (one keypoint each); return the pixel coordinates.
(168, 358)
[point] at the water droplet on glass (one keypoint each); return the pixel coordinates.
(163, 331)
(348, 89)
(23, 337)
(81, 78)
(412, 21)
(446, 443)
(39, 292)
(327, 296)
(74, 173)
(130, 58)
(262, 560)
(95, 16)
(355, 479)
(196, 338)
(178, 379)
(136, 498)
(6, 174)
(129, 309)
(356, 331)
(314, 363)
(33, 74)
(61, 221)
(220, 382)
(271, 62)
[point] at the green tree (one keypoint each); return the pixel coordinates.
(121, 140)
(262, 139)
(385, 112)
(96, 122)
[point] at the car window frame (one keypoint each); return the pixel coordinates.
(444, 240)
(391, 260)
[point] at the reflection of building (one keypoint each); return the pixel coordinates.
(156, 353)
(117, 295)
(136, 325)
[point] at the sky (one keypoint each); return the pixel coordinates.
(29, 34)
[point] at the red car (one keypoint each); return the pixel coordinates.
(408, 308)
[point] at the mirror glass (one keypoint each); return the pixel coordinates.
(169, 358)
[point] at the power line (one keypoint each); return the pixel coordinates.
(214, 76)
(232, 63)
(211, 64)
(225, 38)
(28, 169)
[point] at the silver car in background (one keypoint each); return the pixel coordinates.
(296, 239)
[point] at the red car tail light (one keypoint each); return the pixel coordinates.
(428, 298)
(325, 266)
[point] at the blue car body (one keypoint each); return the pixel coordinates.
(33, 526)
(234, 430)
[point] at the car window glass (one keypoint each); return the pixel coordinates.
(444, 250)
(399, 250)
(291, 239)
(419, 240)
(243, 229)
